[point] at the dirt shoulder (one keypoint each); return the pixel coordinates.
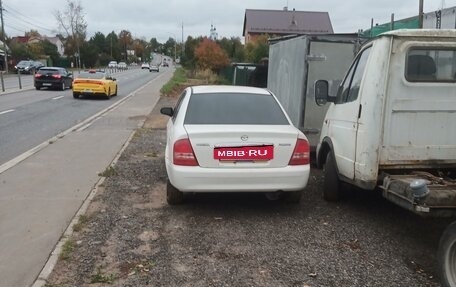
(131, 237)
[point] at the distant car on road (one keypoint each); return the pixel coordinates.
(112, 65)
(94, 83)
(26, 67)
(53, 77)
(145, 66)
(233, 139)
(154, 68)
(122, 65)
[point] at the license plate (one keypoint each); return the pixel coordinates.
(88, 91)
(47, 84)
(244, 153)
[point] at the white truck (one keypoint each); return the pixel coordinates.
(392, 127)
(295, 63)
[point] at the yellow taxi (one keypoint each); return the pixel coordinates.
(94, 83)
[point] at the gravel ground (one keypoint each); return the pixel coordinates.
(131, 237)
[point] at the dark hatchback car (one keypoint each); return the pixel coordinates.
(53, 77)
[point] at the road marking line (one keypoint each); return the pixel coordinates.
(5, 112)
(9, 164)
(56, 98)
(88, 125)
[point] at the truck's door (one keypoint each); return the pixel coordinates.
(342, 119)
(326, 60)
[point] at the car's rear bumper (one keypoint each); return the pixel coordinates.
(89, 92)
(48, 84)
(197, 179)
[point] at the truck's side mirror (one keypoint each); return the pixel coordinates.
(321, 92)
(167, 111)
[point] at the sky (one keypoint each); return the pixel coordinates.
(164, 19)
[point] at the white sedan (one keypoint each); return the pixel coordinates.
(232, 139)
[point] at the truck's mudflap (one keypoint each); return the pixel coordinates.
(435, 197)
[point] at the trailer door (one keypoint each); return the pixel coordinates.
(325, 60)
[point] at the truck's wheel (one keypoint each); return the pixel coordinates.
(446, 256)
(173, 195)
(331, 183)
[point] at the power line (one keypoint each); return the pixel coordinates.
(19, 16)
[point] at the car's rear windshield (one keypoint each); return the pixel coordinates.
(90, 75)
(48, 71)
(234, 109)
(24, 63)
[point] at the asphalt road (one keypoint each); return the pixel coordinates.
(30, 117)
(41, 193)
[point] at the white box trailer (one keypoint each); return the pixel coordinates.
(391, 126)
(295, 63)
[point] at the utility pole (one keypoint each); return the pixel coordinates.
(3, 36)
(182, 47)
(420, 15)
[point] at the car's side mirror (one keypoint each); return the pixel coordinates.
(167, 111)
(321, 92)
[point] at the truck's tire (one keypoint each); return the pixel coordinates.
(446, 256)
(331, 183)
(173, 195)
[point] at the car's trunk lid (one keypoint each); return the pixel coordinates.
(240, 146)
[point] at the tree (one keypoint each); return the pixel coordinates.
(188, 59)
(125, 41)
(154, 45)
(89, 54)
(233, 48)
(209, 55)
(112, 41)
(19, 51)
(72, 21)
(257, 49)
(169, 47)
(50, 50)
(32, 33)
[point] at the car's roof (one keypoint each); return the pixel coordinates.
(228, 89)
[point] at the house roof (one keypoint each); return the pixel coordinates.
(286, 22)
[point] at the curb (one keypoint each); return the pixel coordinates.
(41, 280)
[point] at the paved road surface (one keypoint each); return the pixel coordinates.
(40, 195)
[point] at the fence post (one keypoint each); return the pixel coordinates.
(19, 77)
(3, 82)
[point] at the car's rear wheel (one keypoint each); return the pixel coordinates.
(75, 95)
(108, 94)
(37, 87)
(63, 86)
(115, 93)
(173, 195)
(331, 183)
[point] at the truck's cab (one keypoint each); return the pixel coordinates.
(392, 124)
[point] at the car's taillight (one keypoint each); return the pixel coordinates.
(57, 76)
(37, 75)
(183, 153)
(301, 153)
